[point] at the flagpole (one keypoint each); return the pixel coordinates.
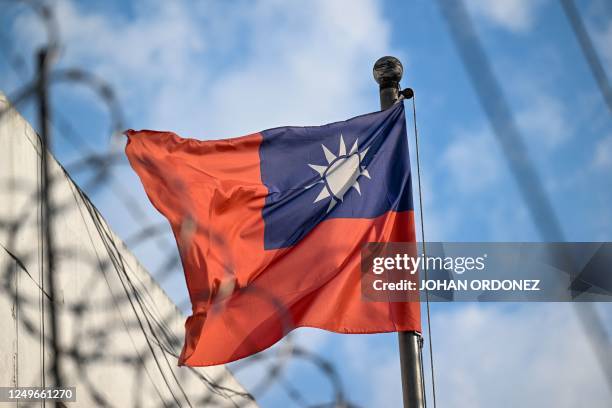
(388, 72)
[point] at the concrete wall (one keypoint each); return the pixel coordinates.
(118, 331)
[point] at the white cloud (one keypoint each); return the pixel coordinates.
(513, 15)
(270, 63)
(306, 65)
(543, 120)
(154, 46)
(549, 369)
(472, 161)
(603, 154)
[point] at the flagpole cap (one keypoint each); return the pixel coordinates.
(388, 71)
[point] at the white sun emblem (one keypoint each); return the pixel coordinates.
(341, 173)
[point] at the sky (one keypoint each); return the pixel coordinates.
(220, 69)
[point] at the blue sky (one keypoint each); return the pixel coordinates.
(220, 69)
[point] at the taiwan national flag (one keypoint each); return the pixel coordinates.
(270, 228)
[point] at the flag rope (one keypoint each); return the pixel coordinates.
(418, 163)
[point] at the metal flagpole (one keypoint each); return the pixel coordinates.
(388, 72)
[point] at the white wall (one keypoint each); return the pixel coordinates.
(106, 354)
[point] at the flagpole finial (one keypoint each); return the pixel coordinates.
(388, 72)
